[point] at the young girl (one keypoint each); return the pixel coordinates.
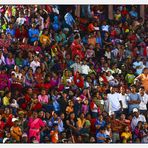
(85, 107)
(137, 135)
(126, 136)
(70, 107)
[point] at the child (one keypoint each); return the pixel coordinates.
(126, 136)
(144, 138)
(85, 107)
(54, 134)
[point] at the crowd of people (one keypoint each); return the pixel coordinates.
(70, 79)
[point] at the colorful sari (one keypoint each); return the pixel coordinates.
(34, 128)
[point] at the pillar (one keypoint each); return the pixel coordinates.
(78, 10)
(110, 12)
(142, 13)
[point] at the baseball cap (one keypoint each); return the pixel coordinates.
(135, 110)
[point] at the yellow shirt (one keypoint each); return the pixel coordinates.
(44, 39)
(126, 135)
(81, 122)
(6, 101)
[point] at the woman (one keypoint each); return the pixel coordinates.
(35, 124)
(143, 78)
(10, 62)
(29, 78)
(17, 82)
(44, 38)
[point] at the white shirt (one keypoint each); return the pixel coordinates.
(34, 65)
(109, 78)
(105, 28)
(136, 120)
(123, 99)
(140, 65)
(85, 69)
(114, 102)
(2, 60)
(76, 67)
(144, 101)
(21, 21)
(108, 55)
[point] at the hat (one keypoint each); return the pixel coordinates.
(21, 112)
(135, 110)
(5, 139)
(78, 98)
(24, 135)
(14, 119)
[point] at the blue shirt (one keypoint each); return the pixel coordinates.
(69, 19)
(102, 124)
(132, 97)
(33, 32)
(11, 31)
(100, 135)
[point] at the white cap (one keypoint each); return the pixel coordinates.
(5, 139)
(78, 98)
(14, 119)
(135, 110)
(24, 135)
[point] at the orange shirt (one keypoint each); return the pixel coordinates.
(16, 133)
(69, 109)
(92, 41)
(54, 136)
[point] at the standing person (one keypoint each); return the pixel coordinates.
(35, 124)
(143, 78)
(133, 99)
(114, 104)
(123, 100)
(144, 101)
(69, 19)
(33, 34)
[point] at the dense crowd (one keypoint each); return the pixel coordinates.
(70, 79)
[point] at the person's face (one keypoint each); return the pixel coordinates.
(141, 91)
(146, 71)
(72, 116)
(136, 114)
(43, 92)
(62, 116)
(35, 115)
(133, 89)
(122, 117)
(0, 117)
(126, 129)
(101, 118)
(122, 90)
(112, 90)
(30, 91)
(47, 115)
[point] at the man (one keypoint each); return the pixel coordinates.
(123, 100)
(114, 104)
(138, 66)
(133, 99)
(144, 100)
(69, 19)
(137, 117)
(33, 34)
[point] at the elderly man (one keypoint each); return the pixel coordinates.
(136, 118)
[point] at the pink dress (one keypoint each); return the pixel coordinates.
(34, 128)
